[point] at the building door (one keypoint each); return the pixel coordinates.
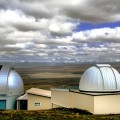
(23, 104)
(2, 104)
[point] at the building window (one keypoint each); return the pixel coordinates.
(37, 104)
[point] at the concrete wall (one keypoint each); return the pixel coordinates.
(102, 104)
(108, 104)
(61, 98)
(73, 100)
(82, 101)
(45, 102)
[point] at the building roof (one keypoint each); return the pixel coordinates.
(94, 93)
(60, 89)
(41, 92)
(23, 97)
(10, 81)
(101, 78)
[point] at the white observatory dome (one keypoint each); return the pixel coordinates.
(10, 81)
(100, 78)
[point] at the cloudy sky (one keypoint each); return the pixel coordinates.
(68, 31)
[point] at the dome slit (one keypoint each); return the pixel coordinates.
(114, 77)
(101, 76)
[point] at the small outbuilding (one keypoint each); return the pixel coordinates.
(11, 87)
(99, 91)
(22, 102)
(35, 99)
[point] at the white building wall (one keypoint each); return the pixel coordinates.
(82, 101)
(73, 100)
(10, 101)
(107, 104)
(45, 102)
(61, 98)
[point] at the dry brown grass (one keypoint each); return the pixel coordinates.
(54, 75)
(54, 114)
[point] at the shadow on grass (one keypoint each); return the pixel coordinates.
(74, 110)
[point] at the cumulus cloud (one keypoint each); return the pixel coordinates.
(102, 34)
(88, 10)
(45, 30)
(94, 11)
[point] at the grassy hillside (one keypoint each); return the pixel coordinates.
(54, 114)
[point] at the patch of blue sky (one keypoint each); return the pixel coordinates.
(83, 26)
(95, 44)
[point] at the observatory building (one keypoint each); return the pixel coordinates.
(35, 99)
(11, 87)
(100, 78)
(99, 91)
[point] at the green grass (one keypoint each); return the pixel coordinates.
(54, 114)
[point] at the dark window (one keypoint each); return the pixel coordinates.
(0, 67)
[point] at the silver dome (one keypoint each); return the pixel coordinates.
(10, 81)
(100, 78)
